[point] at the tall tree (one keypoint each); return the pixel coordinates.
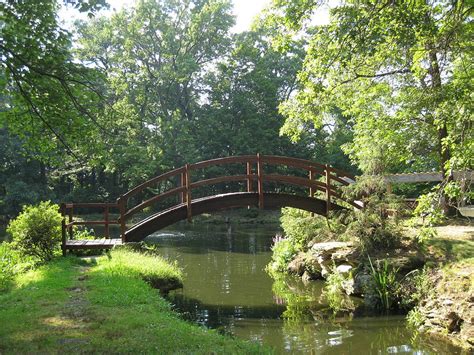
(48, 99)
(401, 70)
(154, 57)
(240, 115)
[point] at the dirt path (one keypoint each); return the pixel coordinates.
(76, 315)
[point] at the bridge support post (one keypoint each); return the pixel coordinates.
(260, 181)
(121, 204)
(106, 219)
(183, 184)
(71, 225)
(188, 193)
(328, 189)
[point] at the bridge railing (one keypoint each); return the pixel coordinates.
(253, 172)
(69, 210)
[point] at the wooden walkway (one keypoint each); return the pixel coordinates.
(103, 243)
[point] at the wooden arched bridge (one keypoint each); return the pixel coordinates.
(258, 172)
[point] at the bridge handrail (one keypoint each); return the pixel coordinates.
(67, 210)
(186, 185)
(151, 182)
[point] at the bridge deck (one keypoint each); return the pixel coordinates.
(91, 244)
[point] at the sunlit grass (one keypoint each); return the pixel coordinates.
(155, 270)
(103, 306)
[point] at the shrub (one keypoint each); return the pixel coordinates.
(300, 228)
(376, 225)
(283, 252)
(37, 230)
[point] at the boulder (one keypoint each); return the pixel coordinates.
(297, 265)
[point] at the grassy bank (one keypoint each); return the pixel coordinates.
(102, 305)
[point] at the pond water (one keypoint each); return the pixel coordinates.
(227, 288)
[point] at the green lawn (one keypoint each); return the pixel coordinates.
(103, 305)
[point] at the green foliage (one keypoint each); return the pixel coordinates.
(37, 230)
(12, 263)
(401, 71)
(415, 287)
(50, 97)
(384, 284)
(8, 259)
(429, 209)
(415, 318)
(334, 291)
(283, 252)
(300, 227)
(372, 226)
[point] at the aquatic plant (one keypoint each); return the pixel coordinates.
(384, 283)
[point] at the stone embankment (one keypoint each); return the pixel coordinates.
(448, 310)
(344, 257)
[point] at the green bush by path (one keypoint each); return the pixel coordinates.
(37, 230)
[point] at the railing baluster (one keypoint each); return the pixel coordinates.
(122, 206)
(188, 193)
(106, 218)
(260, 181)
(183, 183)
(328, 189)
(249, 179)
(71, 230)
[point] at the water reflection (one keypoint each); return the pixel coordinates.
(226, 288)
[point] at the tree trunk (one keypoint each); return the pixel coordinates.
(442, 129)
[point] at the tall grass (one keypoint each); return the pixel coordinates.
(384, 282)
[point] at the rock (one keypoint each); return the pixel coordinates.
(348, 286)
(330, 247)
(447, 302)
(453, 322)
(331, 254)
(306, 277)
(362, 281)
(297, 265)
(346, 255)
(344, 269)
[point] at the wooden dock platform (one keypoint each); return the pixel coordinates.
(104, 243)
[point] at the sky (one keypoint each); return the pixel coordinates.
(244, 10)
